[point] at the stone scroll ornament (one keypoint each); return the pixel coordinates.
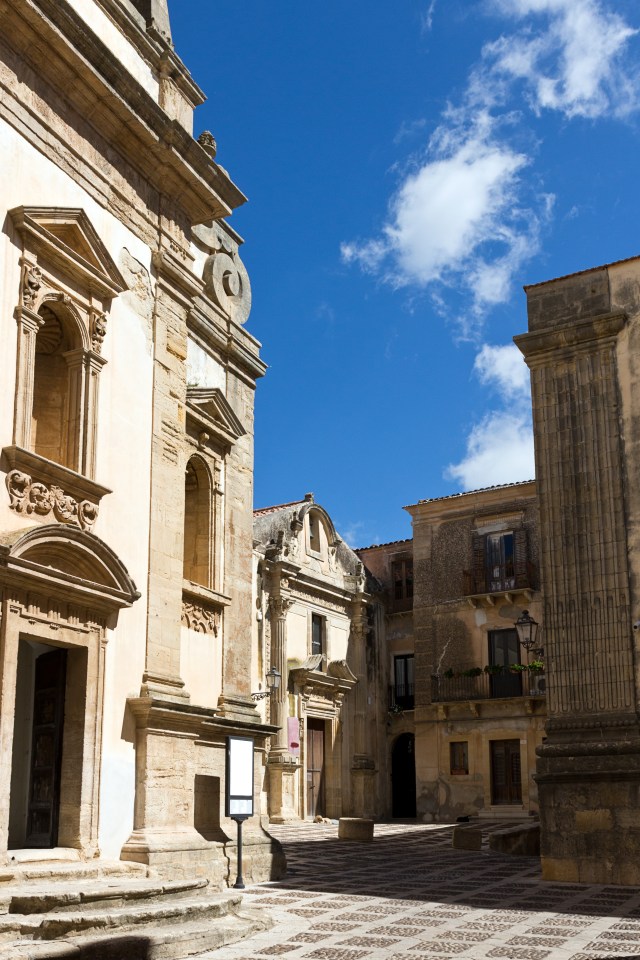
(200, 618)
(36, 498)
(226, 279)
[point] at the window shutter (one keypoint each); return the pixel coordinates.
(479, 564)
(520, 558)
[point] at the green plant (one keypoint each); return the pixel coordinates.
(536, 666)
(448, 674)
(473, 672)
(517, 667)
(493, 669)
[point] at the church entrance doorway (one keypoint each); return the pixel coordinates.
(315, 767)
(403, 777)
(38, 745)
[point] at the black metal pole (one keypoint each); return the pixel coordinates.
(239, 884)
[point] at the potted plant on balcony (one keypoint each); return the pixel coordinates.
(536, 666)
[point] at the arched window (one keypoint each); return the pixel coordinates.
(54, 415)
(198, 552)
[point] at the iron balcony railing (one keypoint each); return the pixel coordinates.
(487, 686)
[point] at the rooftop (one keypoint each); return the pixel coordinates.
(469, 493)
(390, 543)
(579, 273)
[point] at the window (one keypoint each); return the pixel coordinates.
(403, 688)
(500, 563)
(402, 582)
(317, 634)
(459, 758)
(67, 284)
(314, 533)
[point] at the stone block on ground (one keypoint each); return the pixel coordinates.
(467, 838)
(522, 840)
(355, 828)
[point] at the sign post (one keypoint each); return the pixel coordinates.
(239, 792)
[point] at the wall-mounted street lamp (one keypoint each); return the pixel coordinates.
(527, 629)
(273, 678)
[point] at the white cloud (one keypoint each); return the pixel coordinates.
(427, 17)
(456, 220)
(504, 367)
(465, 217)
(499, 450)
(576, 65)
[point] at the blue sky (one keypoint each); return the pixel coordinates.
(409, 167)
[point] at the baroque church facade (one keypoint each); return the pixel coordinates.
(127, 382)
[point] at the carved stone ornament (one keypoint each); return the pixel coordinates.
(208, 143)
(202, 619)
(98, 331)
(28, 497)
(226, 279)
(31, 283)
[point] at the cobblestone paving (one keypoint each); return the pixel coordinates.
(410, 896)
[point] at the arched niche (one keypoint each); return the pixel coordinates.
(198, 532)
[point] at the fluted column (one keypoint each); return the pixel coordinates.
(278, 607)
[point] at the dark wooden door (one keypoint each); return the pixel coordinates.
(46, 749)
(315, 768)
(403, 777)
(506, 776)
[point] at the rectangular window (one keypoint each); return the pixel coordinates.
(402, 581)
(317, 634)
(403, 672)
(459, 757)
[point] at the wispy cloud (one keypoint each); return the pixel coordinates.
(465, 216)
(427, 17)
(575, 64)
(499, 447)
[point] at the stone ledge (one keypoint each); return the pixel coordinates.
(522, 840)
(467, 838)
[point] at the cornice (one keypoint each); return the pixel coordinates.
(164, 153)
(567, 339)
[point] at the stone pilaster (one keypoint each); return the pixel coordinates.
(282, 766)
(175, 288)
(362, 762)
(588, 771)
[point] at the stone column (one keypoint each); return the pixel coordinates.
(588, 771)
(282, 766)
(278, 607)
(363, 766)
(28, 325)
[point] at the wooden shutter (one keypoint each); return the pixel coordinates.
(479, 563)
(520, 558)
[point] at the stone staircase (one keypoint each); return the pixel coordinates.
(113, 911)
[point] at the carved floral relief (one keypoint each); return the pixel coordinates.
(200, 618)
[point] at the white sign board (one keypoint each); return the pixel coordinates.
(239, 794)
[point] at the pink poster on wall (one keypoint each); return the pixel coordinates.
(293, 735)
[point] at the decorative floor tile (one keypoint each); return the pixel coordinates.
(371, 942)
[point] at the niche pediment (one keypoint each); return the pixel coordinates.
(66, 237)
(213, 415)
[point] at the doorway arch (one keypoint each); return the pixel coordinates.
(403, 777)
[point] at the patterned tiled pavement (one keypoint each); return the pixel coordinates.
(410, 896)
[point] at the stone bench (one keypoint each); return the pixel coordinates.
(467, 838)
(355, 828)
(522, 840)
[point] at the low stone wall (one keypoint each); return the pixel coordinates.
(355, 828)
(522, 840)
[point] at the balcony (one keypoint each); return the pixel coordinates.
(500, 683)
(401, 697)
(501, 581)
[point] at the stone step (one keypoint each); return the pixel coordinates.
(60, 870)
(161, 941)
(104, 892)
(55, 926)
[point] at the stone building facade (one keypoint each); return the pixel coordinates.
(582, 348)
(126, 428)
(479, 716)
(392, 566)
(318, 621)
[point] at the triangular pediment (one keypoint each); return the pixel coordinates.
(66, 236)
(212, 410)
